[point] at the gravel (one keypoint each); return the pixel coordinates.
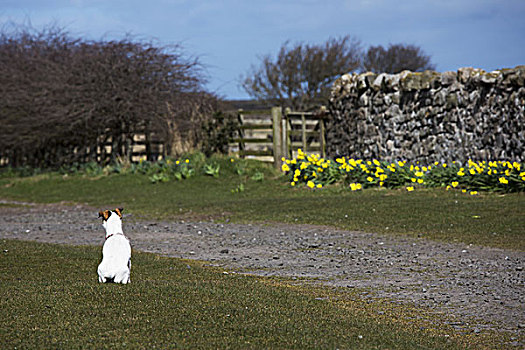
(470, 282)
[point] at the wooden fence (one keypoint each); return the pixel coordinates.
(133, 147)
(105, 149)
(269, 135)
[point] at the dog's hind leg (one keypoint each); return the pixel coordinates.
(101, 278)
(129, 270)
(122, 277)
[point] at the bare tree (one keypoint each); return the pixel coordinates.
(301, 75)
(396, 58)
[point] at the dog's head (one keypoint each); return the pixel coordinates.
(106, 214)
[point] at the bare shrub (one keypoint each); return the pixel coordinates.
(65, 98)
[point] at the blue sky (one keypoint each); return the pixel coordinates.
(230, 35)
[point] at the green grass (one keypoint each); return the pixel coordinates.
(50, 298)
(488, 219)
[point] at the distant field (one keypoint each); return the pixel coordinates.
(489, 219)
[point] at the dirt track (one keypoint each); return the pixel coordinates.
(467, 281)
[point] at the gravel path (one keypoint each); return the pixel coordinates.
(467, 281)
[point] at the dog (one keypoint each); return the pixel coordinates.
(116, 252)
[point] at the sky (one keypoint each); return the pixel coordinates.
(231, 36)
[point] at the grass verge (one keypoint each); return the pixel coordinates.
(487, 219)
(50, 298)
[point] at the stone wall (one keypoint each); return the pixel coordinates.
(429, 116)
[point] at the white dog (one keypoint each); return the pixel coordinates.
(116, 252)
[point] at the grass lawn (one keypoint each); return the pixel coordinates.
(50, 298)
(488, 219)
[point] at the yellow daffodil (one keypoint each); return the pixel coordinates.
(503, 180)
(319, 186)
(448, 187)
(370, 179)
(310, 184)
(473, 193)
(285, 167)
(455, 184)
(410, 188)
(292, 183)
(355, 186)
(187, 161)
(419, 181)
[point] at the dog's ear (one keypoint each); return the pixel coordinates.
(119, 211)
(103, 214)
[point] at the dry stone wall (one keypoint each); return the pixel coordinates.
(429, 116)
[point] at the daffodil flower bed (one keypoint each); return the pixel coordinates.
(315, 172)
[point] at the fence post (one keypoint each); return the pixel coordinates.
(303, 131)
(322, 129)
(277, 116)
(241, 133)
(284, 137)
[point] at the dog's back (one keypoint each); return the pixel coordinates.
(116, 252)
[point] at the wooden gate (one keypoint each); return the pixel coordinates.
(269, 135)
